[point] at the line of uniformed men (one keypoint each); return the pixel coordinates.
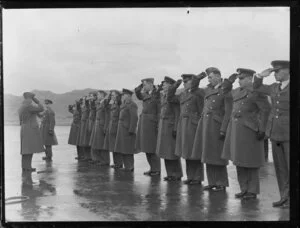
(210, 125)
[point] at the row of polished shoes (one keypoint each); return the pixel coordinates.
(214, 188)
(120, 167)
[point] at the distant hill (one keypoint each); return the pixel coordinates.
(60, 105)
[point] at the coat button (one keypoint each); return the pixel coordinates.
(213, 100)
(239, 110)
(242, 102)
(277, 102)
(277, 110)
(276, 117)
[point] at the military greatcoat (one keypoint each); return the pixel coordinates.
(191, 106)
(98, 134)
(75, 128)
(169, 115)
(278, 126)
(148, 121)
(31, 140)
(83, 127)
(48, 123)
(249, 116)
(214, 119)
(111, 133)
(125, 142)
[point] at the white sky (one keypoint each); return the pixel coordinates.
(65, 49)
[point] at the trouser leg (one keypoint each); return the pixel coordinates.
(280, 151)
(128, 160)
(87, 152)
(80, 152)
(26, 161)
(104, 157)
(154, 163)
(217, 175)
(95, 154)
(117, 157)
(242, 177)
(48, 151)
(194, 170)
(173, 168)
(266, 148)
(253, 180)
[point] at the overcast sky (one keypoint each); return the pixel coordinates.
(65, 49)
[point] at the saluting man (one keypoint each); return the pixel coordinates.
(111, 132)
(31, 141)
(244, 142)
(148, 124)
(166, 139)
(211, 130)
(100, 154)
(85, 111)
(47, 130)
(126, 133)
(191, 105)
(75, 127)
(278, 125)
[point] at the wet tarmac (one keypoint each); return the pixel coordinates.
(68, 190)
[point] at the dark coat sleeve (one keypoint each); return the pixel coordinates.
(171, 96)
(107, 116)
(34, 109)
(228, 104)
(133, 110)
(264, 111)
(51, 120)
(260, 87)
(176, 109)
(200, 93)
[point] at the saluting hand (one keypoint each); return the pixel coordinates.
(266, 72)
(201, 75)
(177, 83)
(233, 77)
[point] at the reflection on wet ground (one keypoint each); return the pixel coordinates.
(68, 190)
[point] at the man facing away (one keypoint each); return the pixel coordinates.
(31, 141)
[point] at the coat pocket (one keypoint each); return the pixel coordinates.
(194, 120)
(217, 118)
(253, 125)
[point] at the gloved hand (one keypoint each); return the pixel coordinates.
(260, 135)
(35, 100)
(174, 133)
(50, 132)
(233, 77)
(222, 135)
(70, 107)
(131, 133)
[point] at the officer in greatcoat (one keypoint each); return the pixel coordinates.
(244, 142)
(278, 125)
(47, 130)
(126, 133)
(191, 105)
(75, 126)
(100, 154)
(211, 130)
(85, 111)
(111, 131)
(166, 139)
(148, 124)
(92, 96)
(31, 140)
